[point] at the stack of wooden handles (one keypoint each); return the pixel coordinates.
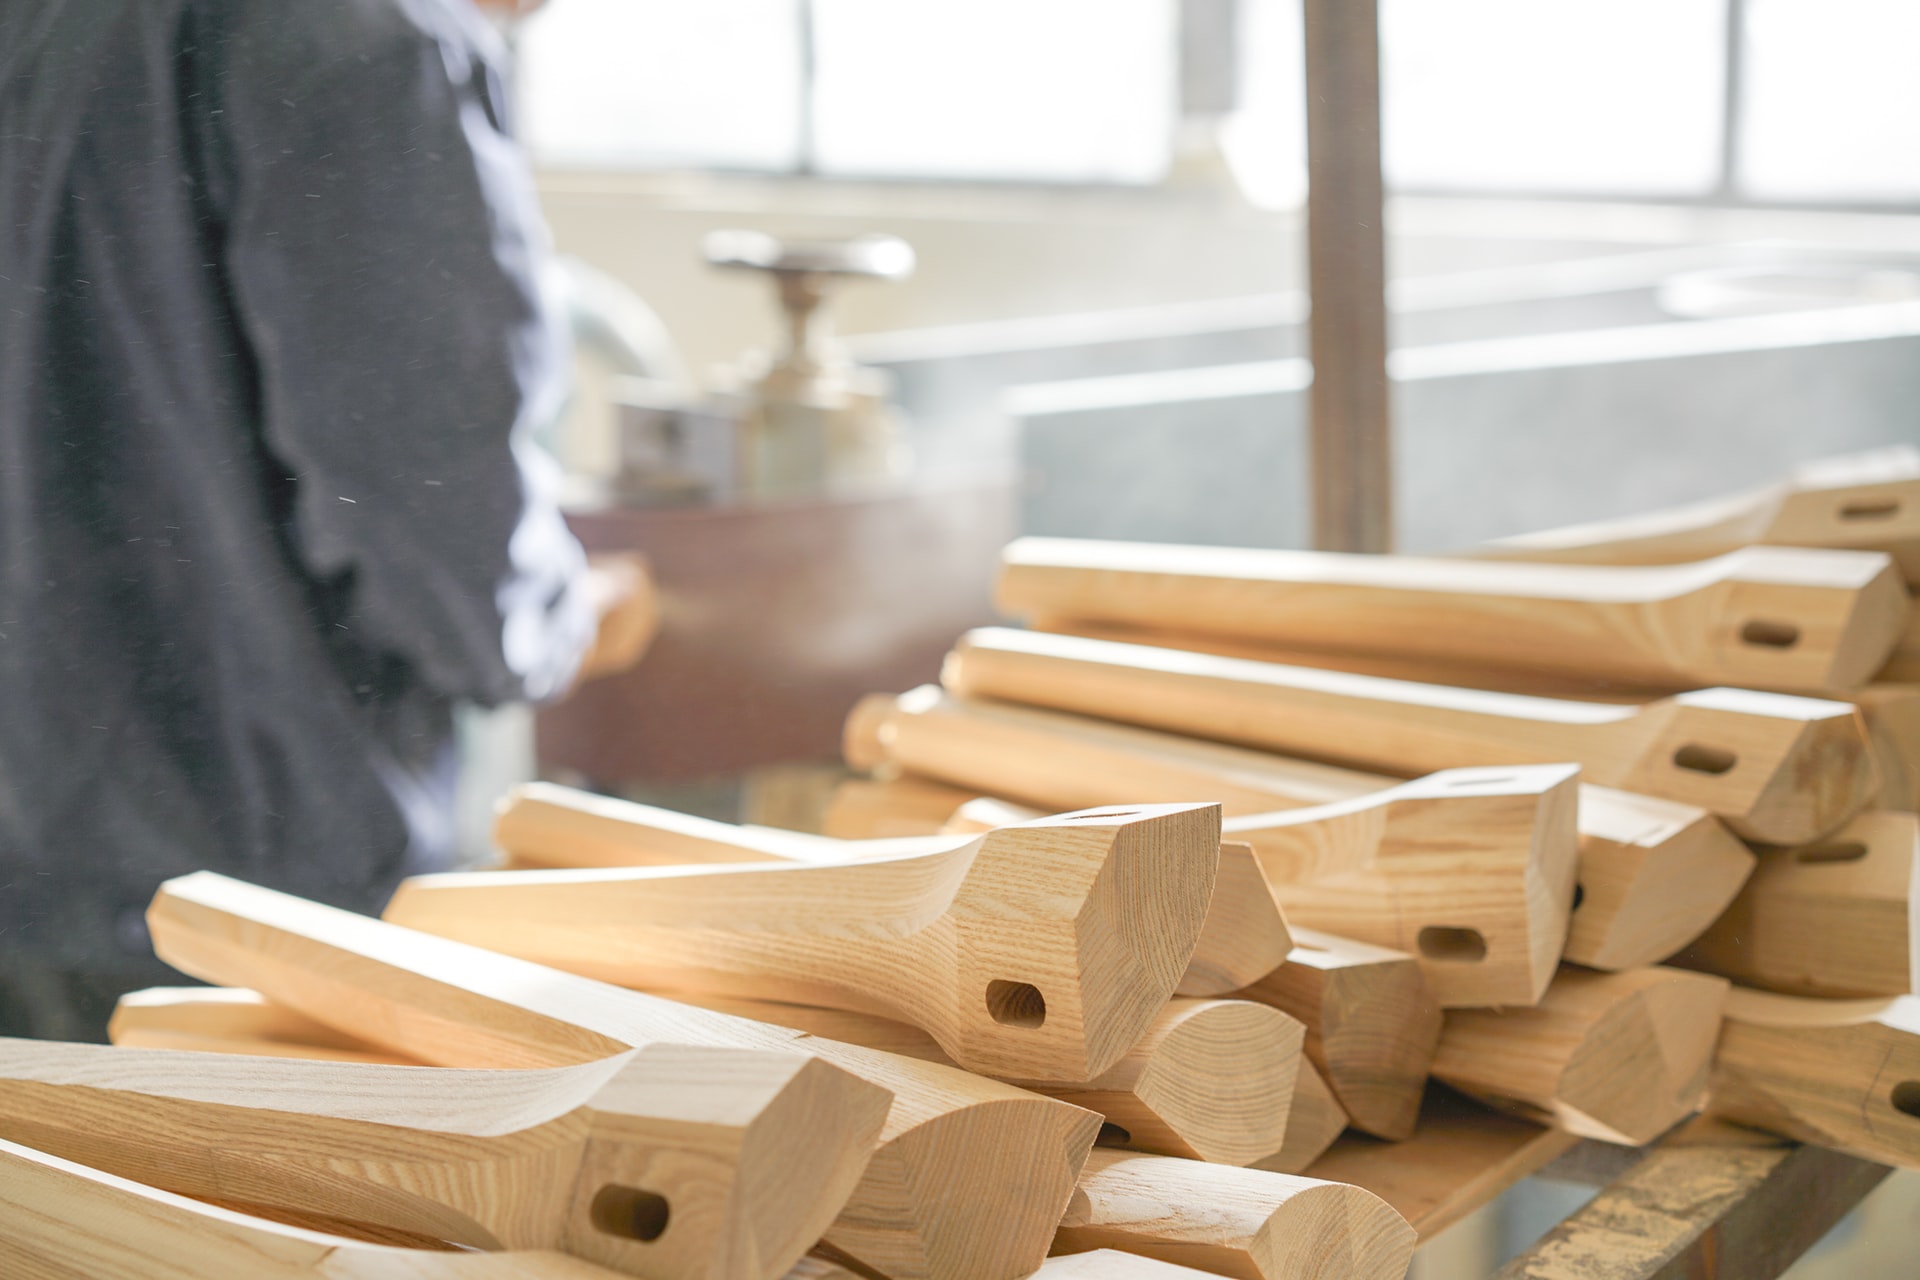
(1233, 851)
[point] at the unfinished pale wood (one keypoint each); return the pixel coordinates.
(1777, 768)
(704, 1140)
(1110, 1264)
(1892, 716)
(967, 1183)
(1371, 1025)
(1248, 1223)
(1242, 936)
(1840, 918)
(1839, 1073)
(1617, 1056)
(1040, 951)
(1652, 873)
(1210, 1080)
(64, 1221)
(232, 1020)
(1866, 501)
(1245, 935)
(1460, 1157)
(1903, 665)
(1784, 618)
(875, 808)
(1313, 1123)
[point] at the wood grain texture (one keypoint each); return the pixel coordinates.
(1891, 713)
(1903, 665)
(1783, 618)
(1040, 951)
(1210, 1080)
(1371, 1025)
(1242, 936)
(1617, 1056)
(1235, 1222)
(1652, 873)
(65, 1221)
(1843, 1074)
(1865, 501)
(967, 1183)
(1839, 918)
(1312, 1125)
(1703, 1205)
(706, 1138)
(233, 1020)
(1461, 1156)
(1470, 870)
(1776, 768)
(1245, 936)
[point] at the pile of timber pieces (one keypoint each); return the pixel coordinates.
(1138, 955)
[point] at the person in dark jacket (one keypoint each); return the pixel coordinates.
(270, 353)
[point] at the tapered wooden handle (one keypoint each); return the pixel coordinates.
(1210, 1080)
(1241, 1222)
(482, 1158)
(1838, 1073)
(985, 945)
(1789, 619)
(970, 1175)
(1779, 769)
(1866, 500)
(65, 1221)
(1617, 1056)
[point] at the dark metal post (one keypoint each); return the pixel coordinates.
(1349, 440)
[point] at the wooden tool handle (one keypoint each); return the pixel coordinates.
(1210, 1080)
(1371, 1025)
(1867, 500)
(985, 945)
(64, 1221)
(483, 1158)
(1779, 618)
(970, 1175)
(1617, 1056)
(1839, 918)
(1843, 1074)
(1240, 1222)
(1777, 768)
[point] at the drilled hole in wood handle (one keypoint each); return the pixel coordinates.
(630, 1213)
(1844, 851)
(1699, 758)
(1452, 942)
(1016, 1004)
(1880, 509)
(1906, 1098)
(1764, 634)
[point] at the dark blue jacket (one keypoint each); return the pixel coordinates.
(269, 355)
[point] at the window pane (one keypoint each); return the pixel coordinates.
(1041, 90)
(1832, 109)
(1266, 139)
(1614, 96)
(662, 83)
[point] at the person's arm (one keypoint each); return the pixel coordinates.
(382, 247)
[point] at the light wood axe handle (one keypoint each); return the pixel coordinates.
(1783, 618)
(1039, 952)
(1778, 769)
(970, 1176)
